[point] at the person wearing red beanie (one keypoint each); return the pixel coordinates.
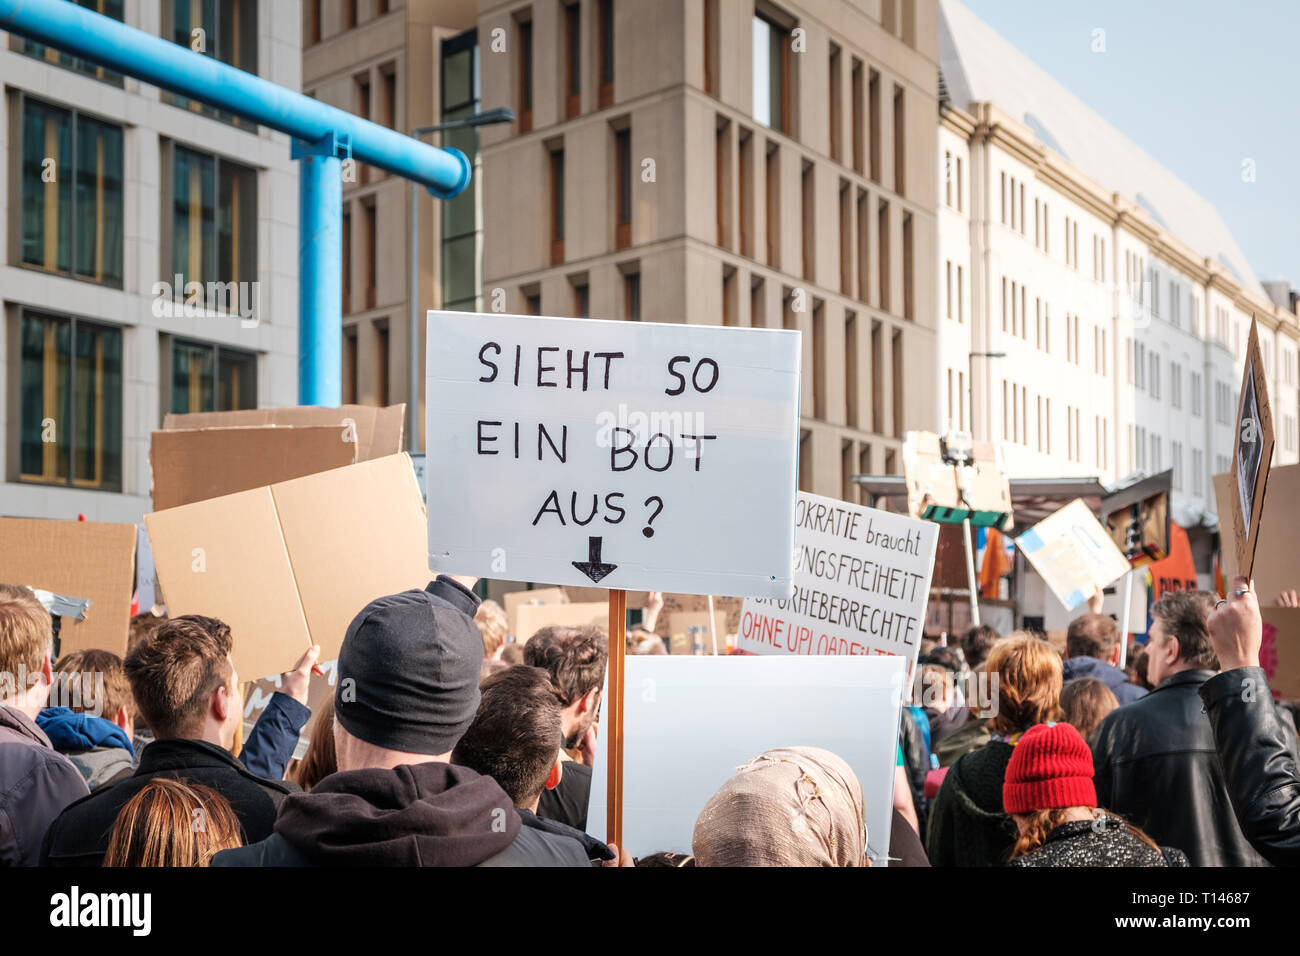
(1048, 792)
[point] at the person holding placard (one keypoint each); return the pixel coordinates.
(1156, 759)
(1253, 741)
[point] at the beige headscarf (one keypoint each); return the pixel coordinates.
(793, 806)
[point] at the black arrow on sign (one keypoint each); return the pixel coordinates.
(592, 567)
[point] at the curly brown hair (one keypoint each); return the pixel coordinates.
(1043, 822)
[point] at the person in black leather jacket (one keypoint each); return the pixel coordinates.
(1156, 763)
(1253, 743)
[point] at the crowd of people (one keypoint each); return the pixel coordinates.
(447, 744)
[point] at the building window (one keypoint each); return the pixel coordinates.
(873, 123)
(382, 356)
(581, 298)
(209, 378)
(772, 86)
(388, 95)
(369, 253)
(710, 8)
(730, 296)
(851, 369)
(808, 193)
(349, 14)
(882, 249)
(213, 223)
(347, 258)
(836, 104)
(908, 276)
(819, 359)
(225, 30)
(349, 378)
(71, 186)
(773, 204)
(632, 297)
(572, 97)
(462, 229)
(71, 401)
(524, 94)
(856, 117)
(109, 8)
(311, 22)
(556, 160)
(746, 192)
(623, 188)
(900, 143)
(605, 60)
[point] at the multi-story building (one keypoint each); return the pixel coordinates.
(729, 162)
(116, 197)
(1119, 297)
(403, 65)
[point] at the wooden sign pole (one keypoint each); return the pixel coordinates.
(614, 723)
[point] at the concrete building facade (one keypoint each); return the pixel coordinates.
(115, 197)
(403, 64)
(729, 162)
(1119, 297)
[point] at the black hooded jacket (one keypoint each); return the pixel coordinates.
(426, 814)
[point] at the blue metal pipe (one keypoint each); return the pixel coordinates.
(132, 52)
(320, 304)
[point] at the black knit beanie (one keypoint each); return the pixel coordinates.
(408, 670)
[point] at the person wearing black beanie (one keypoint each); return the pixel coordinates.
(407, 690)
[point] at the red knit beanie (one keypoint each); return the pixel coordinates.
(1050, 769)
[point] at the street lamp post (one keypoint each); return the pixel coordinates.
(487, 118)
(970, 377)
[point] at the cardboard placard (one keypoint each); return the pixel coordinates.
(585, 452)
(1073, 553)
(1280, 653)
(705, 716)
(1252, 453)
(379, 430)
(203, 463)
(862, 583)
(1279, 525)
(725, 609)
(532, 618)
(932, 481)
(291, 564)
(689, 632)
(516, 599)
(82, 559)
(1137, 518)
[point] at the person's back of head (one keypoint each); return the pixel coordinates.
(1085, 703)
(1092, 635)
(26, 639)
(492, 625)
(1185, 615)
(512, 654)
(320, 759)
(793, 806)
(516, 735)
(977, 642)
(1028, 689)
(93, 682)
(576, 658)
(142, 627)
(408, 676)
(172, 823)
(184, 682)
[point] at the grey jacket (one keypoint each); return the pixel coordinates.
(35, 785)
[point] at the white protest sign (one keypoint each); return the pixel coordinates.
(1073, 553)
(634, 455)
(689, 722)
(861, 585)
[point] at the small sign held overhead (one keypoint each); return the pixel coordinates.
(633, 455)
(1252, 453)
(1073, 553)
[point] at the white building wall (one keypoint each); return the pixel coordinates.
(147, 120)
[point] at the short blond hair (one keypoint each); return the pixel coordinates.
(26, 632)
(491, 621)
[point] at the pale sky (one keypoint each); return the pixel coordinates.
(1200, 86)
